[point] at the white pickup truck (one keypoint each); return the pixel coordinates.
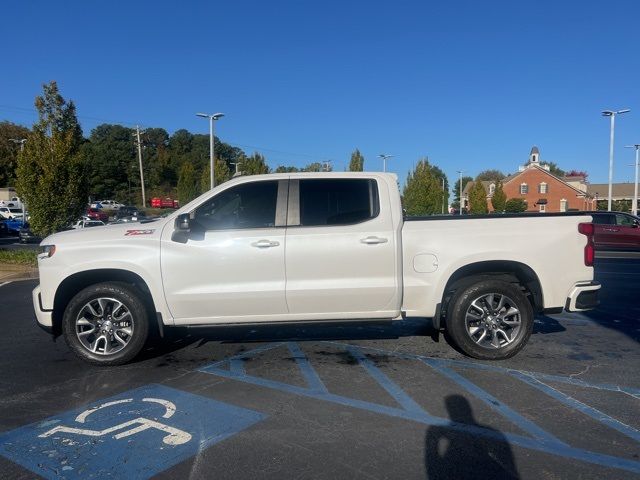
(312, 247)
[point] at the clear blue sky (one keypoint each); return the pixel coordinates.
(471, 84)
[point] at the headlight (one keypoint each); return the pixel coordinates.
(47, 251)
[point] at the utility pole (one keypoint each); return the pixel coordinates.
(634, 202)
(21, 141)
(139, 144)
(326, 165)
(460, 172)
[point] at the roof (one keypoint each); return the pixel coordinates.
(534, 149)
(624, 190)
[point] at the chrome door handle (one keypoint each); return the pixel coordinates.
(611, 229)
(265, 244)
(373, 240)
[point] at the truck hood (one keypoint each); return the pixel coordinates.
(116, 233)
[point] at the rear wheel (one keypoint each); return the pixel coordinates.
(490, 319)
(106, 324)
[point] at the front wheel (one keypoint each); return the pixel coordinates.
(106, 324)
(490, 319)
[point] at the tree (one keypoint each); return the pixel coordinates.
(285, 169)
(256, 164)
(9, 151)
(498, 199)
(313, 167)
(422, 194)
(554, 169)
(515, 205)
(187, 183)
(221, 174)
(51, 173)
(112, 164)
(576, 173)
(490, 176)
(478, 198)
(357, 162)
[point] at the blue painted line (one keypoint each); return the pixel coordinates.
(519, 440)
(385, 382)
(136, 434)
(581, 407)
(520, 421)
(236, 365)
(492, 368)
(311, 376)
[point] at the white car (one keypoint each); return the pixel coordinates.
(313, 247)
(109, 204)
(86, 223)
(10, 213)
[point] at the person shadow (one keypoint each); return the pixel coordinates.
(455, 454)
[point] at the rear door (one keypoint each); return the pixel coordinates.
(341, 249)
(628, 232)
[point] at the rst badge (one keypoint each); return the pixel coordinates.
(139, 232)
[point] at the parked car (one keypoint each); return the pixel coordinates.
(128, 211)
(14, 225)
(317, 248)
(3, 227)
(97, 214)
(27, 236)
(87, 223)
(109, 204)
(9, 213)
(616, 231)
(167, 202)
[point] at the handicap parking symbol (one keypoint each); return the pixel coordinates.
(134, 435)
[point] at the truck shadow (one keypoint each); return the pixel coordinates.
(178, 338)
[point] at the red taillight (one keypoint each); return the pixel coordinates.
(588, 229)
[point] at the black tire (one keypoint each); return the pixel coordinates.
(132, 317)
(497, 328)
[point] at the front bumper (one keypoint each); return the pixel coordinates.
(44, 318)
(583, 296)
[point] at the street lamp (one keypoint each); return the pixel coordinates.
(384, 161)
(634, 203)
(460, 172)
(215, 116)
(612, 115)
(21, 141)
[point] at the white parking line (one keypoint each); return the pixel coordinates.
(4, 283)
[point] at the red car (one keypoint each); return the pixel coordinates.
(616, 231)
(97, 214)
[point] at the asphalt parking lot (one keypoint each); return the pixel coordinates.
(358, 401)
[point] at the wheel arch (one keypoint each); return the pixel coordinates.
(506, 270)
(73, 284)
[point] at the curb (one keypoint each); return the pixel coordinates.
(13, 272)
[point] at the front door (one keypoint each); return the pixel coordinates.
(230, 266)
(341, 252)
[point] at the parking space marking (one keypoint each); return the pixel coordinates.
(136, 434)
(538, 439)
(2, 284)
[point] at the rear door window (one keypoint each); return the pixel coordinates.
(338, 201)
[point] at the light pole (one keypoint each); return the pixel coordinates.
(460, 172)
(212, 118)
(21, 141)
(612, 115)
(634, 203)
(384, 161)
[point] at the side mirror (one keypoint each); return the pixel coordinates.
(183, 222)
(636, 223)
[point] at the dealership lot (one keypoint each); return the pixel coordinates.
(358, 401)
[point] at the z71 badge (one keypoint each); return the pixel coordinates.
(139, 232)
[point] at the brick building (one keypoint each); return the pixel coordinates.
(540, 189)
